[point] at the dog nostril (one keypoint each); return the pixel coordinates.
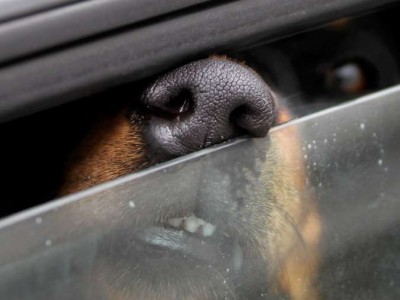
(252, 117)
(180, 104)
(234, 119)
(173, 106)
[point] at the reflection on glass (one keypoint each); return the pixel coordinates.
(311, 212)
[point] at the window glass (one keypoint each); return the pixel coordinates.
(309, 212)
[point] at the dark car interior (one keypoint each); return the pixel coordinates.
(310, 71)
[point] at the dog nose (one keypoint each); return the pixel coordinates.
(204, 103)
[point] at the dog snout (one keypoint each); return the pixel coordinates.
(204, 103)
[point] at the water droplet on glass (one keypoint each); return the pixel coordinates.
(362, 126)
(38, 220)
(48, 243)
(131, 204)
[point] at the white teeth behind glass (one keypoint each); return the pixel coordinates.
(193, 224)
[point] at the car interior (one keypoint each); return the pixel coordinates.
(332, 64)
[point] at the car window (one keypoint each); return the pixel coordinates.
(309, 212)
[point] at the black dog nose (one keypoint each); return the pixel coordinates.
(204, 103)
